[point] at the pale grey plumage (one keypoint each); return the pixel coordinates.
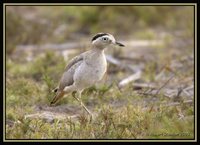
(67, 77)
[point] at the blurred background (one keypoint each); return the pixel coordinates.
(60, 24)
(156, 66)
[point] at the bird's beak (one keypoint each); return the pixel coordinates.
(119, 44)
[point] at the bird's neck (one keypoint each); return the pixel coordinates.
(98, 50)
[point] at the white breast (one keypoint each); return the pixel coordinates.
(91, 70)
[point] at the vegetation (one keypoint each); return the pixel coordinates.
(126, 113)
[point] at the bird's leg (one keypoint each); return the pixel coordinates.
(80, 101)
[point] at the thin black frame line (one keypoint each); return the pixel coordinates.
(102, 5)
(195, 70)
(108, 139)
(4, 89)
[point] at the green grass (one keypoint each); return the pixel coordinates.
(31, 87)
(130, 122)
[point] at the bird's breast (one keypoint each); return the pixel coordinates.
(96, 66)
(91, 70)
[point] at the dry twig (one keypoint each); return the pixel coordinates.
(129, 79)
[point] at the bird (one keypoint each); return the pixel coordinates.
(85, 69)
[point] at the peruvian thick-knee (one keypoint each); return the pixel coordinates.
(86, 69)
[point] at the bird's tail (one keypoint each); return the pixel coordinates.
(57, 97)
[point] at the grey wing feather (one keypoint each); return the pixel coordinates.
(67, 77)
(74, 61)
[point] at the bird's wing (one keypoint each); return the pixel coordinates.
(74, 61)
(67, 77)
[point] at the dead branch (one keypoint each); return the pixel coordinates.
(179, 103)
(138, 86)
(189, 88)
(49, 116)
(153, 91)
(164, 85)
(129, 79)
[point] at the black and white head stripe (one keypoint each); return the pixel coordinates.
(99, 35)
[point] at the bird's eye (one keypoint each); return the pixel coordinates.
(105, 39)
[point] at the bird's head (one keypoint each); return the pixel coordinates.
(102, 40)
